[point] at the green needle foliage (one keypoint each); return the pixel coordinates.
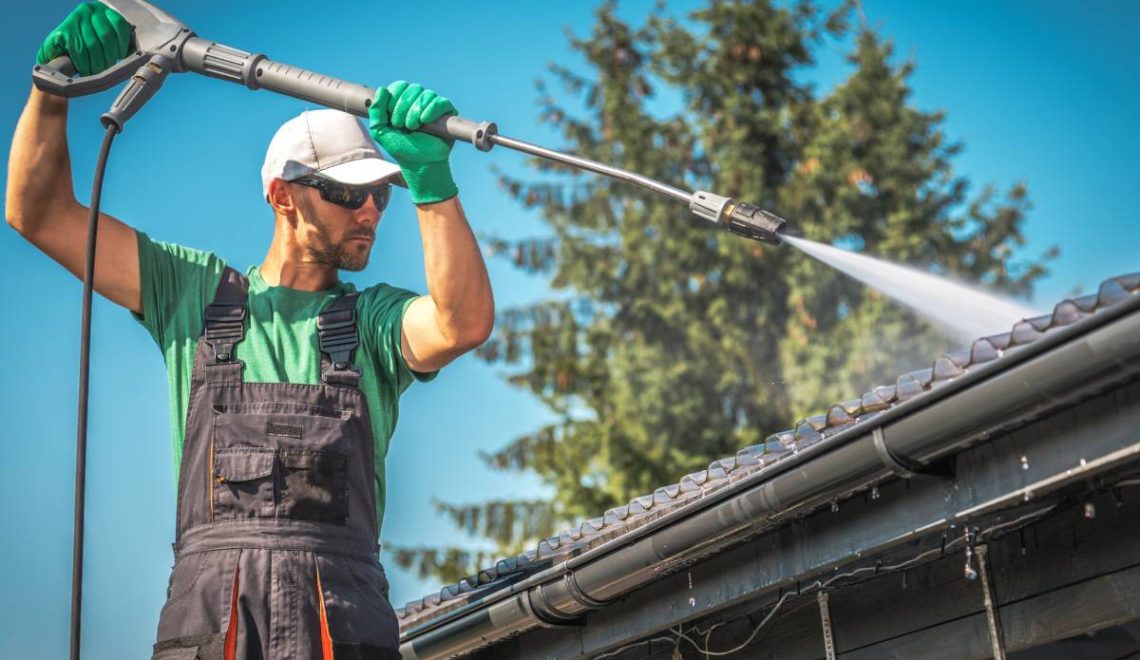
(672, 344)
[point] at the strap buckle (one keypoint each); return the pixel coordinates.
(338, 337)
(225, 327)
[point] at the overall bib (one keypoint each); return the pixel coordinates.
(276, 553)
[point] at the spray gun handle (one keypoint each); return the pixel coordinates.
(58, 76)
(153, 32)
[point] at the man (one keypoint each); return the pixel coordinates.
(284, 381)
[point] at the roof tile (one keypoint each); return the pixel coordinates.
(909, 386)
(1111, 292)
(838, 416)
(1024, 333)
(946, 368)
(983, 350)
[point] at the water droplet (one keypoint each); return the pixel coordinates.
(1090, 510)
(692, 602)
(969, 571)
(874, 492)
(1084, 462)
(1027, 496)
(835, 506)
(1024, 462)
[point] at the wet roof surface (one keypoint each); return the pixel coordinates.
(750, 460)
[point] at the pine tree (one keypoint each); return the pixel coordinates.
(671, 344)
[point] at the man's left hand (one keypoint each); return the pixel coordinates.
(395, 116)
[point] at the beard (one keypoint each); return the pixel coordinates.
(345, 254)
(339, 255)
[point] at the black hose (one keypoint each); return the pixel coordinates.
(84, 364)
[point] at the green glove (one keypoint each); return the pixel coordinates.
(93, 35)
(396, 114)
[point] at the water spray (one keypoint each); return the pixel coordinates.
(962, 312)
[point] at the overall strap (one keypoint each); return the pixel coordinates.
(338, 337)
(224, 326)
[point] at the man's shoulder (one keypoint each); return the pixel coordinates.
(384, 293)
(383, 304)
(177, 283)
(178, 251)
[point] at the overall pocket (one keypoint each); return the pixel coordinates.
(315, 486)
(282, 461)
(244, 483)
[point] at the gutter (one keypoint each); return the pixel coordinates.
(1056, 370)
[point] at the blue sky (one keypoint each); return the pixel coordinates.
(1040, 92)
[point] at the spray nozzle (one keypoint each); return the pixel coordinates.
(755, 223)
(738, 217)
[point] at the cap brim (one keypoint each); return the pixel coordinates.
(364, 170)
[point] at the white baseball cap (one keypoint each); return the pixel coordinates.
(330, 143)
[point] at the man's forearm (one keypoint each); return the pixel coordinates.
(39, 167)
(456, 275)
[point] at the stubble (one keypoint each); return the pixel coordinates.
(323, 249)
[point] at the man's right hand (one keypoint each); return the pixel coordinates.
(93, 35)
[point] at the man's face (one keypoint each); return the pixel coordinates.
(334, 235)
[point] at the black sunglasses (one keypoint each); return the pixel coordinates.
(348, 196)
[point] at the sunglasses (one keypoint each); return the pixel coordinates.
(350, 197)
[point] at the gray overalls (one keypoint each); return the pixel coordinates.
(276, 555)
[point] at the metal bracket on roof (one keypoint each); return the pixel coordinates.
(825, 616)
(905, 467)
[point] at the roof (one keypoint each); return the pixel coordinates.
(750, 461)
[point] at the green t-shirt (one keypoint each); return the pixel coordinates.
(280, 344)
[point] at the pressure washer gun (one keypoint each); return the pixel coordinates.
(164, 45)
